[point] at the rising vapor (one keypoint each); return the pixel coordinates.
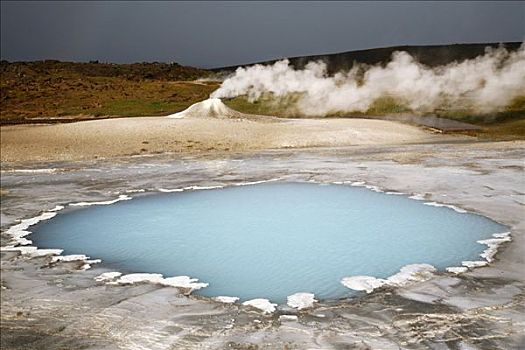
(484, 84)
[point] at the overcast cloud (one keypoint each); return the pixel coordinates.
(212, 34)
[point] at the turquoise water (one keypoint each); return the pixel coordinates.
(269, 240)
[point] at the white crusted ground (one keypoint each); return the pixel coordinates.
(264, 305)
(301, 300)
(481, 310)
(226, 300)
(157, 278)
(408, 274)
(210, 108)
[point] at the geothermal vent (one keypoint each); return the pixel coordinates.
(210, 108)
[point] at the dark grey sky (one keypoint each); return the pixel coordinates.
(209, 34)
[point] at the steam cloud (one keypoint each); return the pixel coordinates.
(486, 83)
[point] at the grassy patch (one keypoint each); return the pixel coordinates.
(102, 97)
(133, 108)
(514, 111)
(508, 124)
(501, 131)
(284, 107)
(40, 92)
(387, 105)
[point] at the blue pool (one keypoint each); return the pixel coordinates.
(269, 240)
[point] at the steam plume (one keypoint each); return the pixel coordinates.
(486, 83)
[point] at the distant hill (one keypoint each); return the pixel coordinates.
(430, 55)
(133, 71)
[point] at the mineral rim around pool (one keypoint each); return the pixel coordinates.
(270, 240)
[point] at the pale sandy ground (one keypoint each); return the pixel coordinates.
(130, 136)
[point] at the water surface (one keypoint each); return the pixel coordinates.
(270, 240)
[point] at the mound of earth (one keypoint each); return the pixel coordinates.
(211, 108)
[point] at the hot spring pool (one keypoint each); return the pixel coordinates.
(270, 240)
